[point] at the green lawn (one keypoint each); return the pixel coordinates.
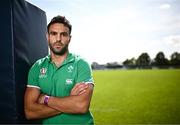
(136, 97)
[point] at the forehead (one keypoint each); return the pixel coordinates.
(58, 27)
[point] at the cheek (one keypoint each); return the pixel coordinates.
(51, 40)
(65, 41)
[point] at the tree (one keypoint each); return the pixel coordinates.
(175, 59)
(160, 59)
(113, 65)
(130, 62)
(94, 65)
(143, 60)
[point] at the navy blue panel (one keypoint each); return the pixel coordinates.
(30, 44)
(22, 42)
(7, 83)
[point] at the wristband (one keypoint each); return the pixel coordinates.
(46, 99)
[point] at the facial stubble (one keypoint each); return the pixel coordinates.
(59, 52)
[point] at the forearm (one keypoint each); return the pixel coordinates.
(75, 104)
(36, 111)
(70, 104)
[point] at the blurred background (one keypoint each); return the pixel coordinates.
(107, 31)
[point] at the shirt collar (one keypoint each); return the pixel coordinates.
(70, 57)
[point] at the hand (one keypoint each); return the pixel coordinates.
(41, 99)
(79, 89)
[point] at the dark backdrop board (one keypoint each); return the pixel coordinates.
(7, 82)
(22, 42)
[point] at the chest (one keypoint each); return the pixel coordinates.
(57, 81)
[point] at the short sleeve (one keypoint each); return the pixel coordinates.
(84, 72)
(33, 76)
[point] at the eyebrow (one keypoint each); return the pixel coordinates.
(53, 32)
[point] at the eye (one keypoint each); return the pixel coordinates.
(65, 34)
(52, 33)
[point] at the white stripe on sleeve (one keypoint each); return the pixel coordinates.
(33, 86)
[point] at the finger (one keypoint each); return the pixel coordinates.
(80, 93)
(41, 98)
(75, 89)
(78, 87)
(82, 88)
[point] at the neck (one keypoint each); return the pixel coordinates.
(58, 59)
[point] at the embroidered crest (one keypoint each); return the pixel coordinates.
(70, 68)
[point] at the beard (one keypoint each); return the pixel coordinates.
(57, 51)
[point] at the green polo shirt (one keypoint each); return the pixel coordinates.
(58, 81)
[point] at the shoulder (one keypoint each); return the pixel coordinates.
(82, 63)
(40, 62)
(80, 60)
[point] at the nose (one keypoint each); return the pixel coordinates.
(58, 37)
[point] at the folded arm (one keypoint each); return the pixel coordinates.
(34, 110)
(74, 104)
(34, 102)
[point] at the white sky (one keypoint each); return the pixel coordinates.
(114, 30)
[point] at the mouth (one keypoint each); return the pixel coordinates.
(58, 45)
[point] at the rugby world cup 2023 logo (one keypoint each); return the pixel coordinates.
(43, 73)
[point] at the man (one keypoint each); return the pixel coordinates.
(60, 85)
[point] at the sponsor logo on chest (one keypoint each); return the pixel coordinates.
(69, 81)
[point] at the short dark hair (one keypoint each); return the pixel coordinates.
(60, 19)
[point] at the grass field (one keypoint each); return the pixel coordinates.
(136, 97)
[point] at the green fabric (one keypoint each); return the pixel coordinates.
(58, 81)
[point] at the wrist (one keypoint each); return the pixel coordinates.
(46, 99)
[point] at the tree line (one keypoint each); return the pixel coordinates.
(144, 61)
